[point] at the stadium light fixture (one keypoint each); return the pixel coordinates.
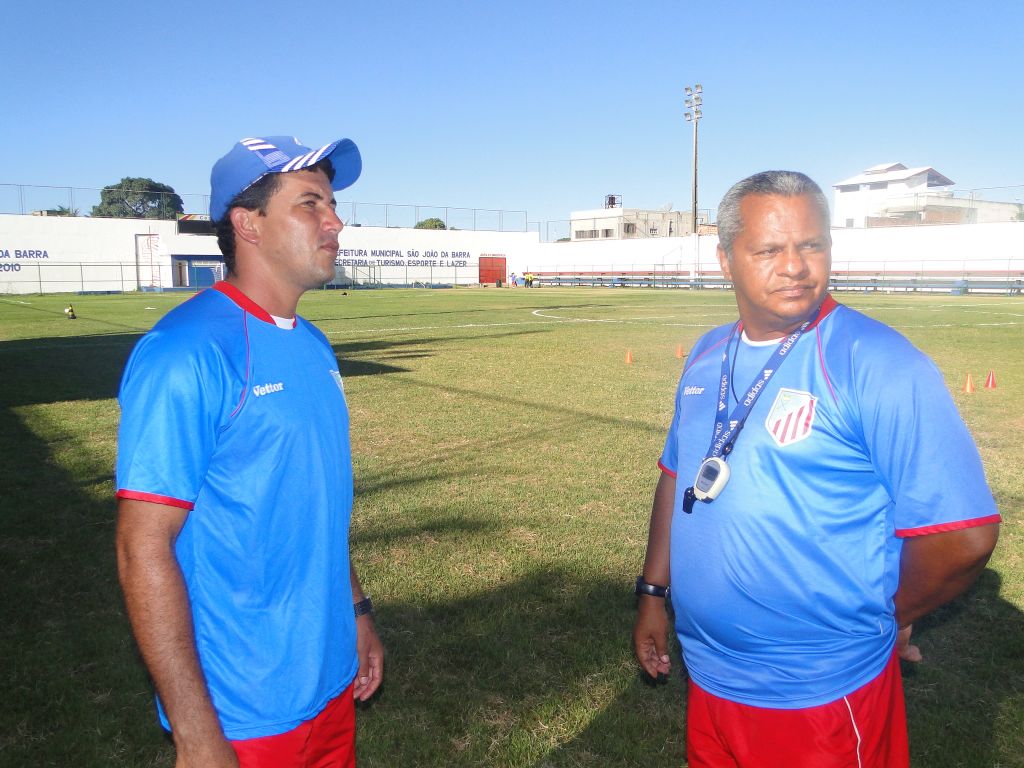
(694, 100)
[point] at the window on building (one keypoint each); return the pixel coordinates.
(629, 229)
(586, 234)
(652, 231)
(607, 233)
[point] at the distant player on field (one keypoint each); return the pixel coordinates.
(234, 480)
(819, 493)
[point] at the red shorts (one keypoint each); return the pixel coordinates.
(864, 729)
(326, 741)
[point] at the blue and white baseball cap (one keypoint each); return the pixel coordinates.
(252, 159)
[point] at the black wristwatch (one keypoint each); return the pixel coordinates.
(654, 590)
(363, 607)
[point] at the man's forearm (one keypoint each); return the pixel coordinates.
(656, 561)
(935, 568)
(158, 607)
(650, 630)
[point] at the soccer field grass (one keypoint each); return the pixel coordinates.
(505, 456)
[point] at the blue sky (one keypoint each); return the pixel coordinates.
(537, 106)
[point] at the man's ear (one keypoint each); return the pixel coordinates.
(246, 224)
(723, 262)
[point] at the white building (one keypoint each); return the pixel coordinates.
(891, 195)
(868, 194)
(613, 222)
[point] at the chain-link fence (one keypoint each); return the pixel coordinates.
(194, 274)
(408, 215)
(79, 201)
(1005, 275)
(82, 201)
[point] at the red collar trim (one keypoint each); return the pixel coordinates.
(827, 306)
(243, 301)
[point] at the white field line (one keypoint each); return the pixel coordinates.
(624, 321)
(957, 325)
(551, 319)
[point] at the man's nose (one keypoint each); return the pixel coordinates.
(333, 222)
(792, 262)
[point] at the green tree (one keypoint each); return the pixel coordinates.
(63, 210)
(433, 223)
(138, 198)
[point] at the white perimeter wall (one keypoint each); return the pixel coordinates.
(407, 256)
(69, 254)
(52, 254)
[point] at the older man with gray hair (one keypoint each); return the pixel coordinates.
(830, 495)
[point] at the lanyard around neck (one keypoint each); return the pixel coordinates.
(728, 429)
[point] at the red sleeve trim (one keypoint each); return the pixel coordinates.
(243, 301)
(957, 525)
(665, 469)
(167, 501)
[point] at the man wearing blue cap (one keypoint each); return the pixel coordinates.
(234, 479)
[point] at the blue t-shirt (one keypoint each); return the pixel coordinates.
(783, 586)
(244, 424)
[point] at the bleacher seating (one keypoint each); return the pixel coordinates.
(1010, 282)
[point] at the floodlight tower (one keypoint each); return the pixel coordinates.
(693, 103)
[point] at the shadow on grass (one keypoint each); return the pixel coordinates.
(353, 366)
(507, 675)
(61, 369)
(535, 407)
(965, 701)
(450, 526)
(74, 691)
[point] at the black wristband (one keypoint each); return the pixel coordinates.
(644, 588)
(363, 607)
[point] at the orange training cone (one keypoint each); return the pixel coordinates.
(679, 352)
(990, 382)
(629, 356)
(969, 385)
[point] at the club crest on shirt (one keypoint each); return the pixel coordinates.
(791, 416)
(336, 375)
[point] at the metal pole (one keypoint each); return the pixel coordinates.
(694, 211)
